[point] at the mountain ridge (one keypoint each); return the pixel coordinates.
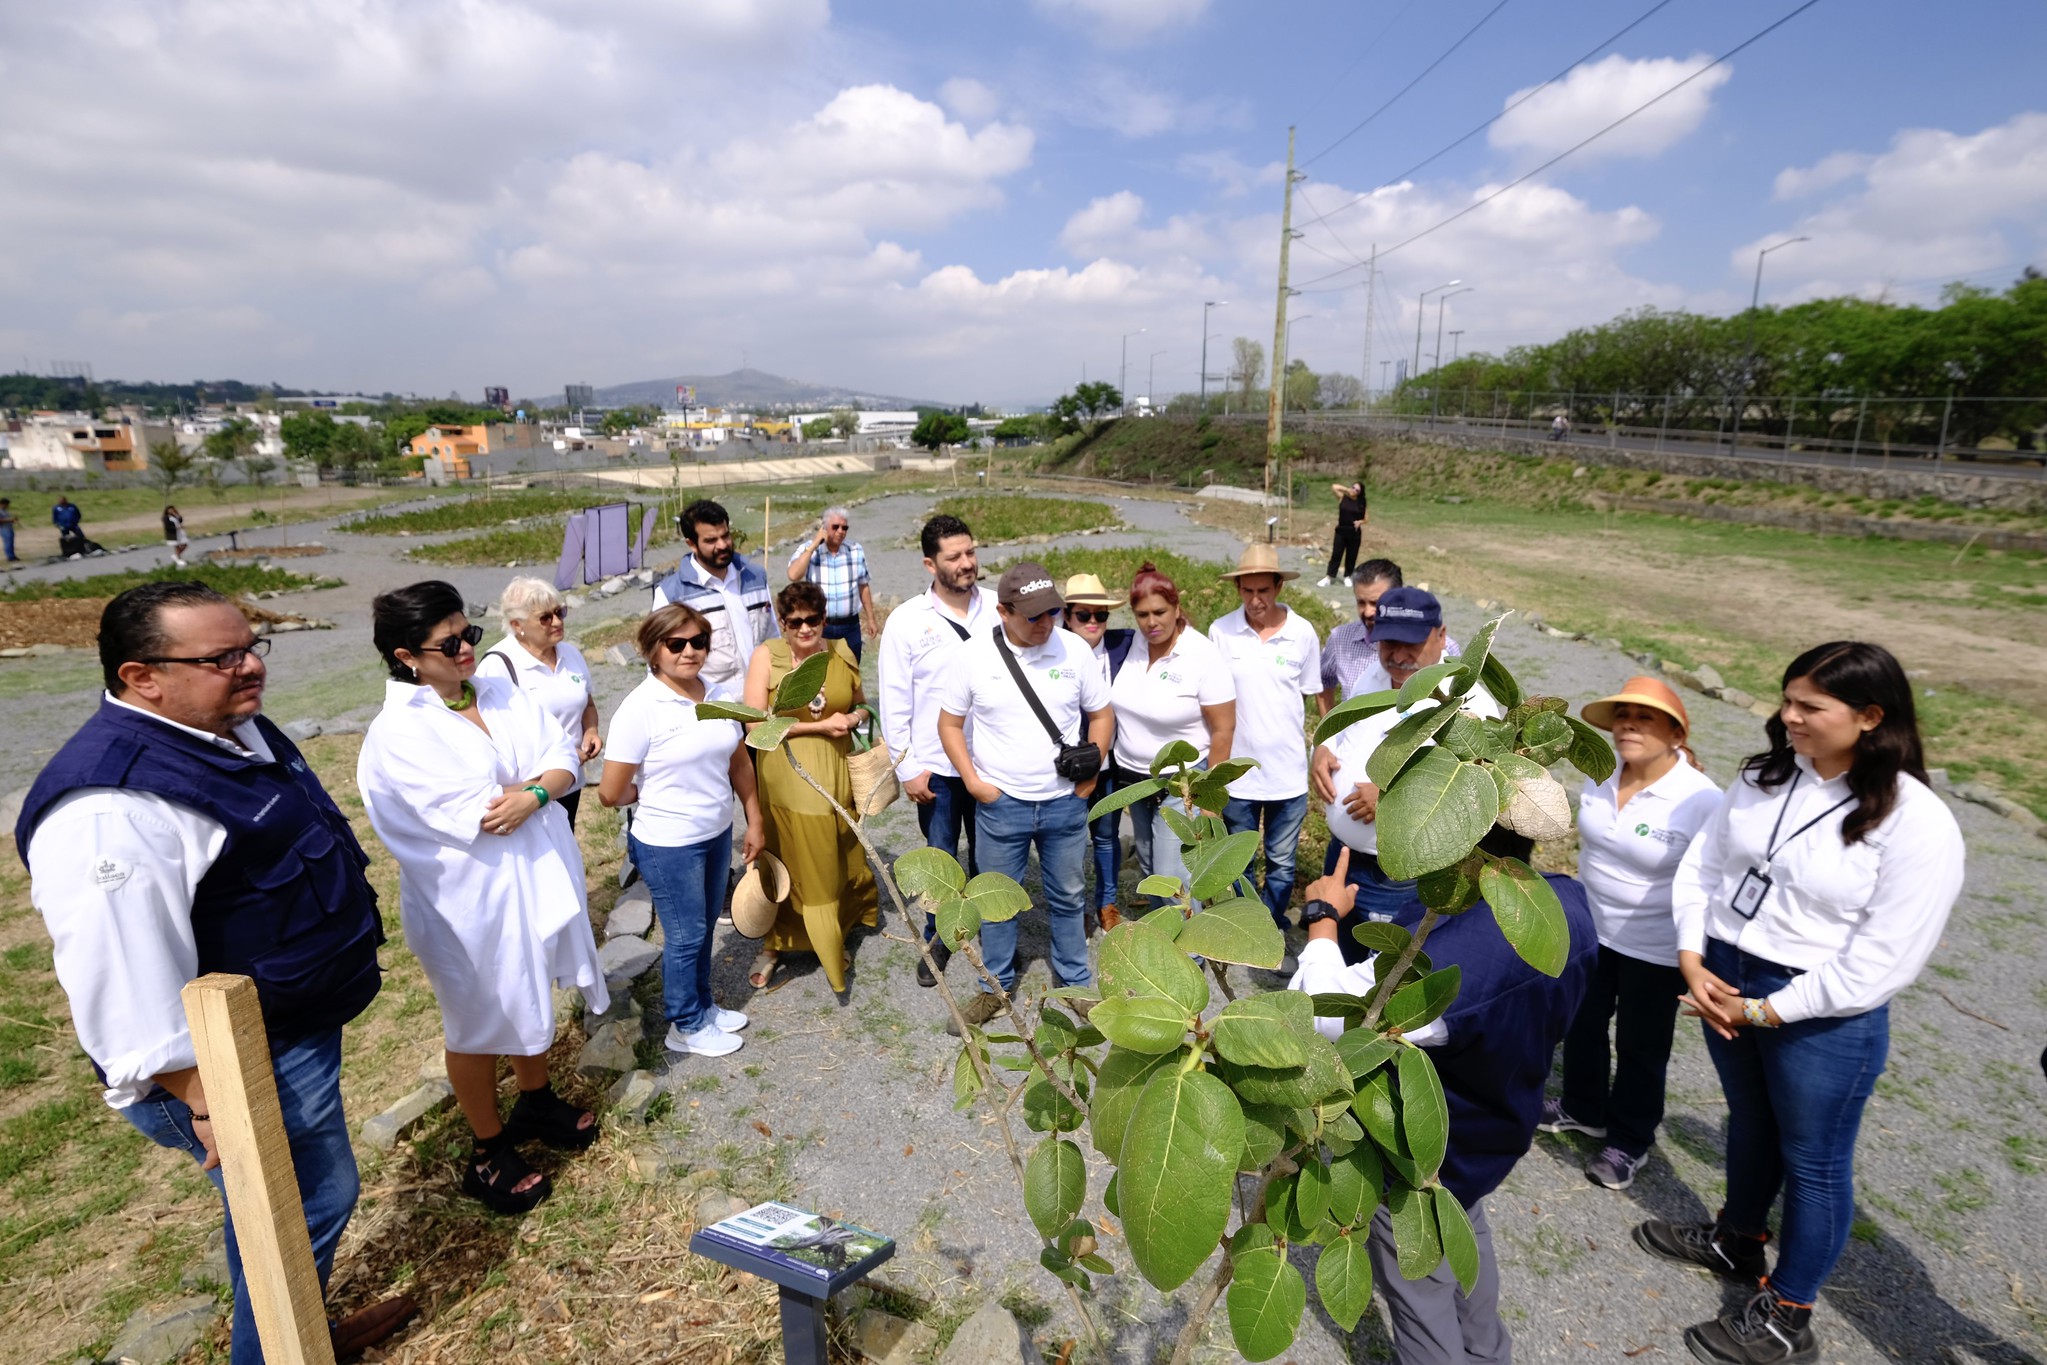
(746, 387)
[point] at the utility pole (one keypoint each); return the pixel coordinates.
(1371, 318)
(1213, 303)
(1286, 241)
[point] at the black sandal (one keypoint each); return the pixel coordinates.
(545, 1116)
(493, 1174)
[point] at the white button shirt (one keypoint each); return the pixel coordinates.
(1628, 855)
(1157, 703)
(1272, 677)
(1860, 920)
(917, 646)
(1010, 748)
(113, 874)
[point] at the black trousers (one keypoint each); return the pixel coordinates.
(1640, 1000)
(1344, 549)
(569, 803)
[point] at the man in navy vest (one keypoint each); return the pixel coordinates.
(179, 833)
(1492, 1049)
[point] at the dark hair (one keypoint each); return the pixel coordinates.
(702, 512)
(1372, 570)
(131, 627)
(1858, 675)
(404, 617)
(663, 622)
(1502, 842)
(799, 595)
(940, 529)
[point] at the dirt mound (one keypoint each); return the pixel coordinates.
(75, 621)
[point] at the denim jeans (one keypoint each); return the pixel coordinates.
(1639, 999)
(849, 632)
(1794, 1104)
(309, 1093)
(1282, 819)
(688, 886)
(942, 820)
(1380, 897)
(1008, 828)
(1107, 837)
(1152, 839)
(7, 541)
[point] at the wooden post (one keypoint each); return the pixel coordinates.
(255, 1164)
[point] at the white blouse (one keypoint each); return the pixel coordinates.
(1859, 920)
(1157, 703)
(1627, 856)
(562, 691)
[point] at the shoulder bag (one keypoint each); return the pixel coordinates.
(1076, 763)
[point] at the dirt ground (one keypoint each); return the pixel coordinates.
(51, 621)
(35, 539)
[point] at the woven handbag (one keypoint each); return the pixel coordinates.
(875, 785)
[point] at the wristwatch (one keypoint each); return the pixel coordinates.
(1316, 911)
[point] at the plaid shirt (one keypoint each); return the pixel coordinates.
(840, 575)
(1347, 657)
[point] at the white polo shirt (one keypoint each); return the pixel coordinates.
(1272, 676)
(685, 776)
(1628, 856)
(1009, 746)
(1157, 703)
(1353, 749)
(562, 691)
(917, 645)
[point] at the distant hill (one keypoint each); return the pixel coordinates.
(747, 389)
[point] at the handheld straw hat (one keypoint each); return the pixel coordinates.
(759, 894)
(1260, 558)
(1641, 691)
(1086, 590)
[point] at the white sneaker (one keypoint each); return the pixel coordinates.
(1346, 580)
(1322, 583)
(708, 1041)
(730, 1020)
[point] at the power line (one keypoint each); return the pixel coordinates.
(1370, 48)
(1475, 205)
(1409, 86)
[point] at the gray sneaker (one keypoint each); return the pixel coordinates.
(1614, 1168)
(1555, 1120)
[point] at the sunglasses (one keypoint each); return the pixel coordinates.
(802, 622)
(1083, 614)
(452, 646)
(558, 614)
(675, 644)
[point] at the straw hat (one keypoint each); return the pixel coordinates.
(759, 894)
(1260, 558)
(1086, 590)
(1642, 691)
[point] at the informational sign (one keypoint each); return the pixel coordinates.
(781, 1241)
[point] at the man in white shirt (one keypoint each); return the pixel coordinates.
(179, 833)
(1275, 657)
(917, 648)
(1012, 766)
(730, 591)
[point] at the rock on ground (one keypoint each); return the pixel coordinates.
(157, 1336)
(889, 1340)
(624, 958)
(610, 1048)
(991, 1337)
(634, 913)
(385, 1130)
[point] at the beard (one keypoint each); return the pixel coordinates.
(959, 580)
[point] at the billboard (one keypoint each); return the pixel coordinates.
(497, 398)
(686, 395)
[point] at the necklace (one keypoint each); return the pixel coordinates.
(465, 701)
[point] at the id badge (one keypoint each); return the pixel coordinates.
(1748, 897)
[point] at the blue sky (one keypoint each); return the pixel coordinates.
(959, 201)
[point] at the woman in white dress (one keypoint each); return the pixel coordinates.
(462, 782)
(534, 656)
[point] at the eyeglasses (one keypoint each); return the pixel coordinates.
(802, 622)
(837, 526)
(675, 644)
(1083, 614)
(558, 614)
(227, 661)
(452, 646)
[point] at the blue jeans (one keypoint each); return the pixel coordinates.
(1008, 828)
(1380, 897)
(1282, 817)
(688, 885)
(309, 1093)
(1794, 1104)
(1152, 839)
(1107, 836)
(7, 541)
(942, 820)
(849, 631)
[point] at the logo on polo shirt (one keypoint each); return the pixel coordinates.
(1166, 675)
(1641, 831)
(1055, 675)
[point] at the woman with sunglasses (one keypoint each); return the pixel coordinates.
(462, 779)
(832, 888)
(534, 657)
(683, 772)
(1088, 604)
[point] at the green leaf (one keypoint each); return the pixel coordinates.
(1311, 1190)
(1299, 1087)
(1415, 1239)
(1343, 1280)
(729, 710)
(1530, 916)
(1335, 1005)
(1377, 1106)
(1056, 1032)
(1424, 1113)
(929, 872)
(1434, 815)
(768, 735)
(1179, 1169)
(1348, 713)
(1167, 919)
(1111, 1200)
(1454, 889)
(967, 1083)
(1250, 1237)
(1266, 1299)
(1465, 736)
(1227, 771)
(1264, 1029)
(1142, 1023)
(1181, 824)
(1420, 1002)
(1355, 1180)
(1424, 681)
(1413, 733)
(1125, 796)
(1158, 884)
(1055, 1185)
(1279, 1201)
(1265, 1128)
(1062, 1266)
(996, 898)
(1498, 680)
(1382, 967)
(1141, 959)
(1045, 1110)
(1118, 1084)
(802, 682)
(958, 921)
(1477, 653)
(1176, 753)
(1238, 930)
(1590, 753)
(1546, 737)
(1212, 867)
(1380, 936)
(1460, 1246)
(1364, 1051)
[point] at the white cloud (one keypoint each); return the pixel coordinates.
(1228, 172)
(1796, 182)
(1113, 225)
(1130, 106)
(969, 99)
(1599, 92)
(1117, 23)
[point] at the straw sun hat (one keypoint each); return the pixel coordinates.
(1086, 590)
(1260, 558)
(1641, 691)
(759, 894)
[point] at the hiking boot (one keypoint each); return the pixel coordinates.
(939, 954)
(1764, 1331)
(1110, 917)
(1555, 1120)
(1614, 1168)
(1703, 1244)
(977, 1012)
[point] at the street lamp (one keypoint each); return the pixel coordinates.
(1287, 359)
(1123, 373)
(1456, 346)
(1213, 303)
(1438, 360)
(1755, 300)
(1150, 386)
(1420, 309)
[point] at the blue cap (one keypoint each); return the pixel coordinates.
(1408, 615)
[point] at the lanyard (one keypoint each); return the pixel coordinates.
(1774, 847)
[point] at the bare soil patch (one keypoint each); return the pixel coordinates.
(52, 621)
(251, 553)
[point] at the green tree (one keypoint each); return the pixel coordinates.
(845, 423)
(937, 430)
(352, 446)
(1097, 400)
(309, 436)
(1301, 386)
(818, 429)
(1247, 359)
(170, 465)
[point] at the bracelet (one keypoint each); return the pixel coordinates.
(202, 1118)
(1755, 1011)
(540, 791)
